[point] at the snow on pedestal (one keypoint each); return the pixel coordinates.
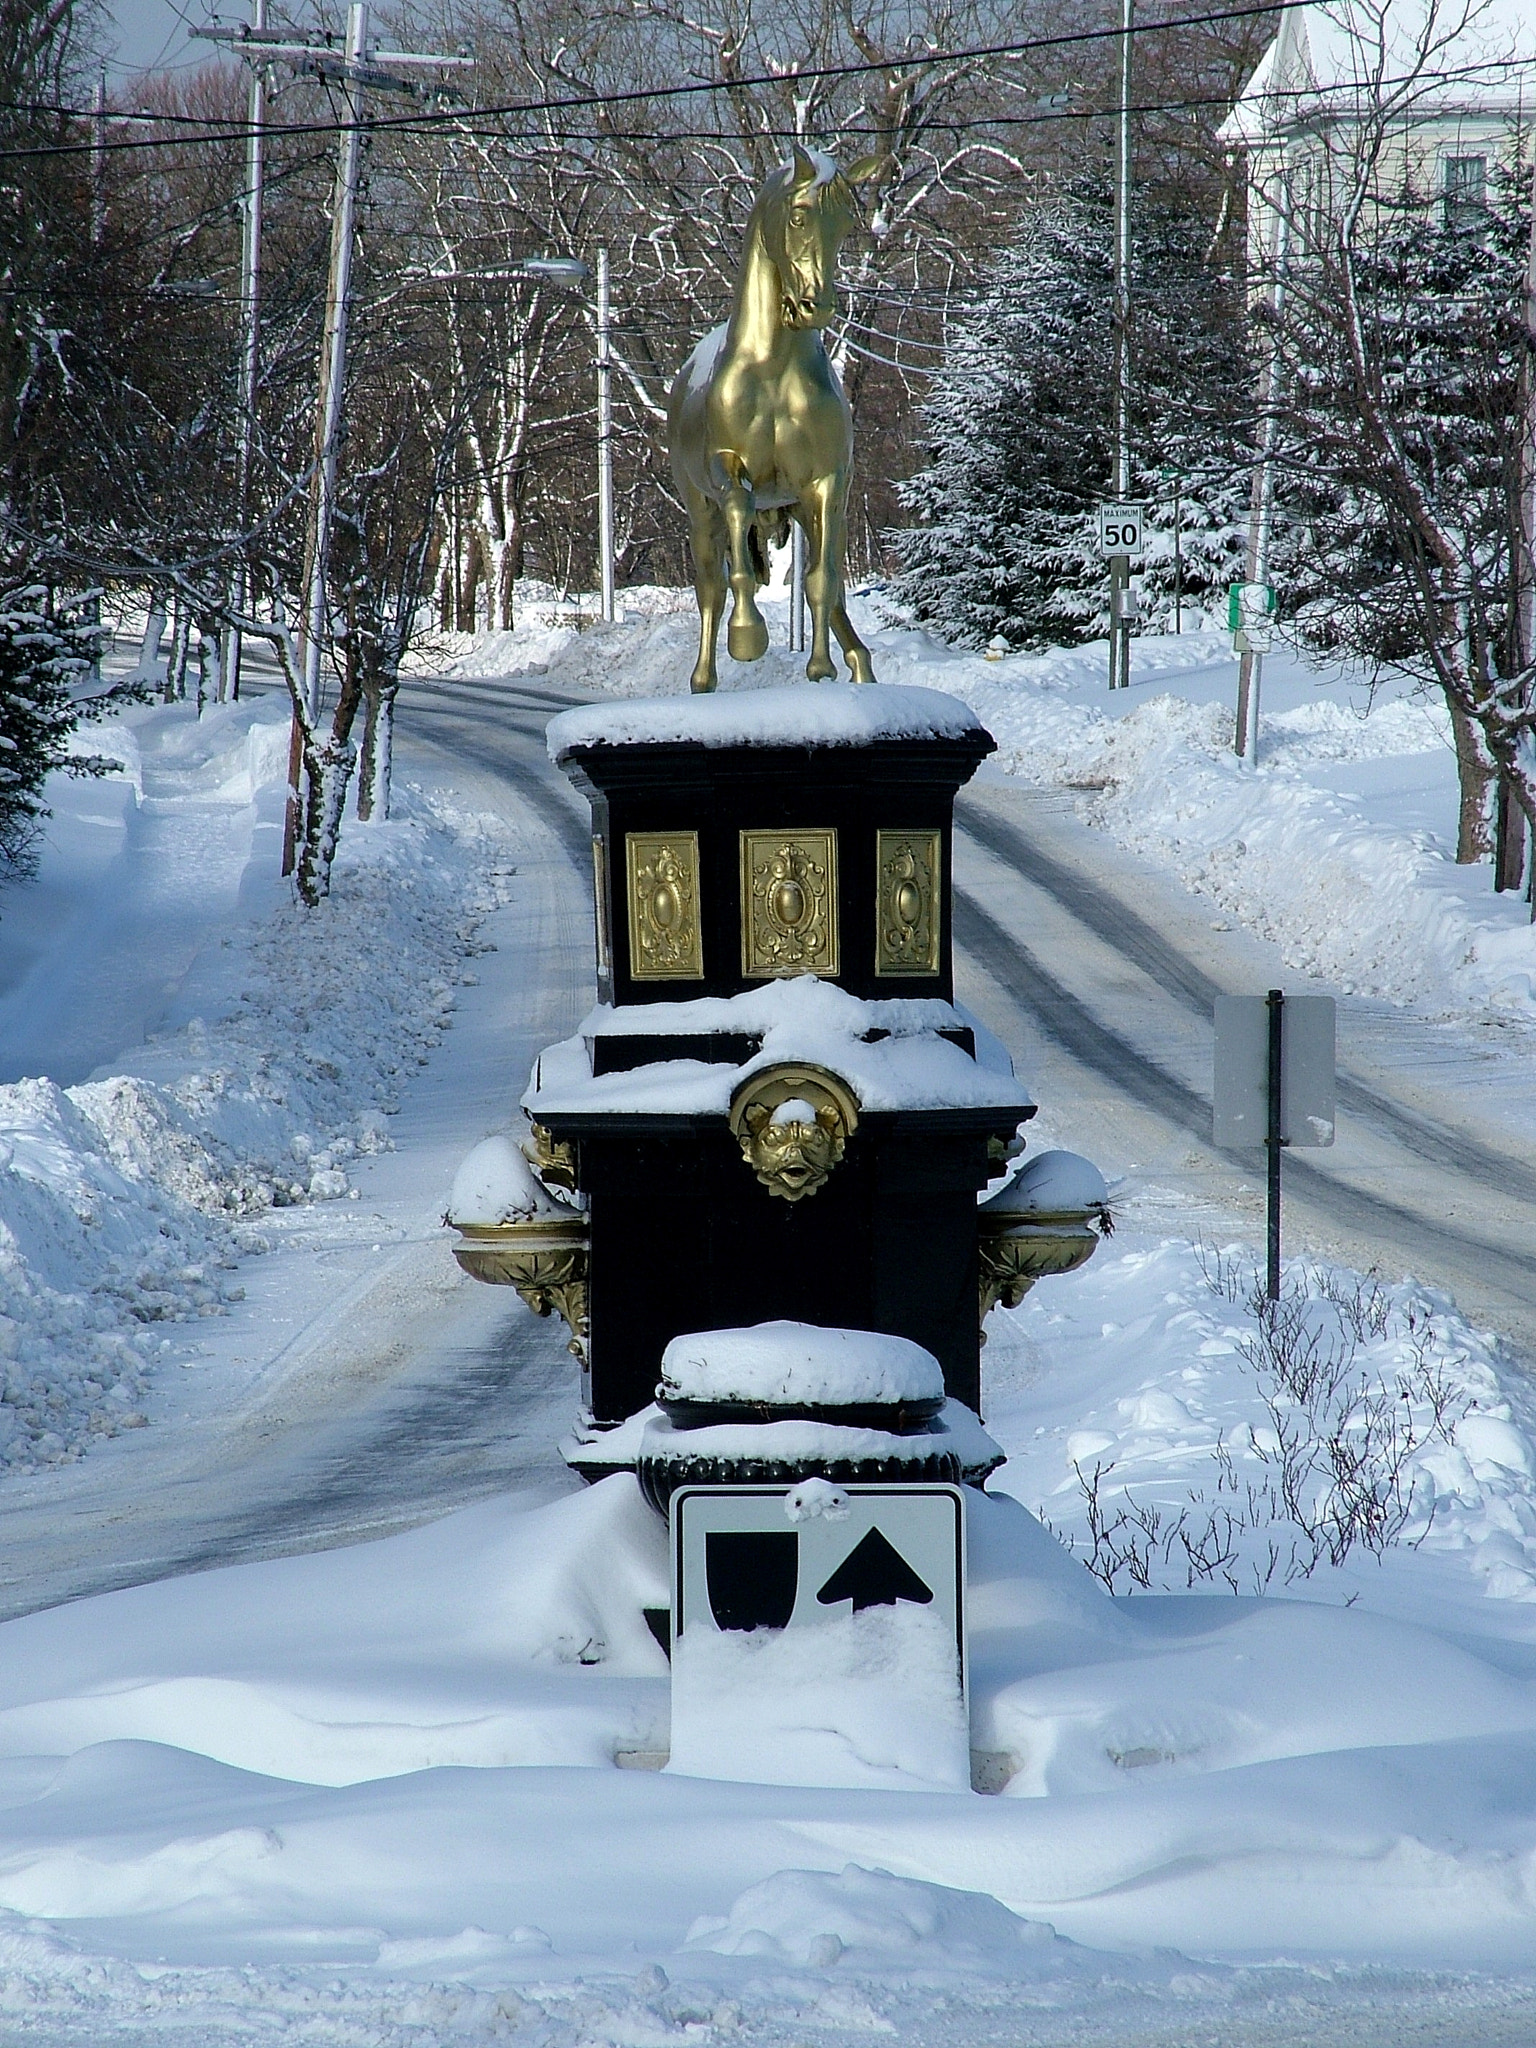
(1052, 1184)
(799, 1365)
(832, 715)
(495, 1185)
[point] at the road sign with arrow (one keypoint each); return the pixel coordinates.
(776, 1557)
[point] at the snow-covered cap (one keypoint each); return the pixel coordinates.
(1054, 1184)
(831, 715)
(496, 1185)
(784, 1365)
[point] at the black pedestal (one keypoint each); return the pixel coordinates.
(732, 854)
(685, 1238)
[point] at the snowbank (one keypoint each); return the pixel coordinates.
(873, 1699)
(412, 1741)
(127, 1203)
(1158, 1401)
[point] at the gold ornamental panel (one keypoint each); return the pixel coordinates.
(665, 942)
(788, 903)
(908, 905)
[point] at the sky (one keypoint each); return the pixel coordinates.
(151, 35)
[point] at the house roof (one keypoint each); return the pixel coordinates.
(1330, 59)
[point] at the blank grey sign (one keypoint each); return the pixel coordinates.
(1241, 1093)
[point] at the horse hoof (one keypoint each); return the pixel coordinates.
(819, 671)
(747, 640)
(860, 669)
(702, 681)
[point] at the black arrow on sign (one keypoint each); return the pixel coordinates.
(874, 1574)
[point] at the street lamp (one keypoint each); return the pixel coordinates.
(572, 272)
(555, 269)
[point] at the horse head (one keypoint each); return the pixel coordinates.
(804, 214)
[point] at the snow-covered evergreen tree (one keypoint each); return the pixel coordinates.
(1020, 431)
(44, 657)
(1441, 294)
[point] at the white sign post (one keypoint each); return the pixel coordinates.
(1251, 617)
(1274, 1084)
(1120, 529)
(1120, 538)
(818, 1634)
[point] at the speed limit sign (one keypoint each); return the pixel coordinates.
(1120, 529)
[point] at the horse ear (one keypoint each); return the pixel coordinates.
(805, 169)
(866, 168)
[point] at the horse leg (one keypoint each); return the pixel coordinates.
(746, 637)
(826, 540)
(706, 540)
(861, 667)
(823, 537)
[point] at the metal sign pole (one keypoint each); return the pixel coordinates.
(604, 439)
(1273, 1141)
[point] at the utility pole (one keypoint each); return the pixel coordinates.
(1120, 565)
(250, 349)
(354, 70)
(1250, 669)
(604, 438)
(1509, 819)
(99, 160)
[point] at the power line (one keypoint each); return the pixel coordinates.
(863, 67)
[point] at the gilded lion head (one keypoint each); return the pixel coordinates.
(793, 1124)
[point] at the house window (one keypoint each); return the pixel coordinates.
(1464, 189)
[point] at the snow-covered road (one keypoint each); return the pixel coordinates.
(1101, 977)
(364, 1386)
(398, 1393)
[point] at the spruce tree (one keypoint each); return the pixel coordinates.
(1020, 431)
(45, 656)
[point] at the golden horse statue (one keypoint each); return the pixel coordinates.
(758, 426)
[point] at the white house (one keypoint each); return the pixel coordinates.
(1435, 91)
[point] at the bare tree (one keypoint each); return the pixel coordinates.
(1406, 359)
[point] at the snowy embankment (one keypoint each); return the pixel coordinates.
(371, 1794)
(1340, 849)
(127, 1202)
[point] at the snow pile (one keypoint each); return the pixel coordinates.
(799, 1019)
(1188, 1436)
(1330, 851)
(798, 1365)
(818, 1916)
(396, 1759)
(1052, 1184)
(467, 1643)
(126, 1202)
(495, 1185)
(872, 1699)
(830, 715)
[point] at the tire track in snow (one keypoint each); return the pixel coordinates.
(1161, 961)
(1066, 1019)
